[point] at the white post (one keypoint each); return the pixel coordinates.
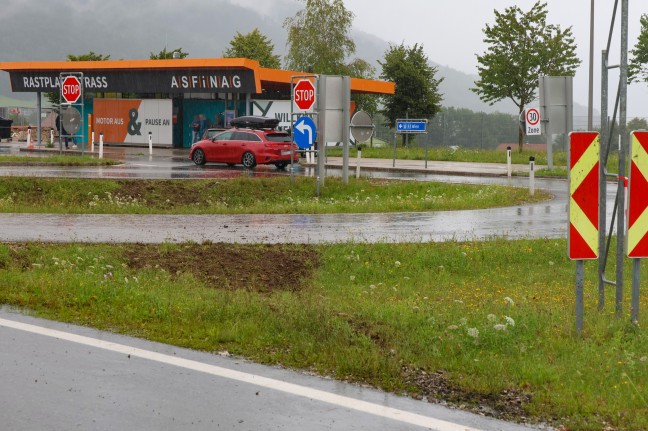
(531, 176)
(358, 163)
(92, 141)
(29, 141)
(150, 144)
(508, 161)
(52, 137)
(101, 145)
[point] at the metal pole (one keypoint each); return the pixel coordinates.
(623, 77)
(394, 160)
(358, 163)
(346, 114)
(548, 128)
(602, 183)
(590, 100)
(39, 128)
(580, 281)
(636, 278)
(321, 126)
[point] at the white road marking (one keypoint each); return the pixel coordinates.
(290, 388)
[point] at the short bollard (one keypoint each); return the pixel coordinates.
(92, 141)
(29, 138)
(531, 176)
(101, 145)
(150, 143)
(508, 161)
(52, 137)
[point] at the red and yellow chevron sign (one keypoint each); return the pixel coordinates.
(584, 195)
(637, 242)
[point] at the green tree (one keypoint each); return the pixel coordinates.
(54, 98)
(638, 67)
(522, 47)
(417, 88)
(90, 56)
(637, 124)
(254, 46)
(318, 38)
(359, 68)
(167, 55)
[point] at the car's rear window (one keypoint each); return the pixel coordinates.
(278, 137)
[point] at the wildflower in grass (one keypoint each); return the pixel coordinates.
(510, 321)
(473, 332)
(453, 327)
(500, 327)
(373, 286)
(509, 301)
(492, 318)
(397, 264)
(352, 277)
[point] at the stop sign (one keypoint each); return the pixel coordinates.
(304, 95)
(71, 89)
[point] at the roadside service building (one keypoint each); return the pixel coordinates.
(127, 99)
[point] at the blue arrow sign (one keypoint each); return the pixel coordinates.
(411, 126)
(305, 133)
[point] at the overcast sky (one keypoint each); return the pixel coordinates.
(451, 32)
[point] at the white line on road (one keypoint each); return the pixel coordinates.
(290, 388)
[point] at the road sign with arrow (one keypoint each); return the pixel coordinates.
(304, 133)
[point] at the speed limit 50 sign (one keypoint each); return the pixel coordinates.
(532, 121)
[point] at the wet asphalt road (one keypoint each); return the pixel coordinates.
(63, 377)
(542, 220)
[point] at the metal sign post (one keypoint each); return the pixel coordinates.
(407, 127)
(306, 103)
(637, 235)
(583, 180)
(70, 119)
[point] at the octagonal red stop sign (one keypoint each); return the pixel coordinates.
(304, 95)
(71, 89)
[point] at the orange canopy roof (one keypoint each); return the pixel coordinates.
(264, 78)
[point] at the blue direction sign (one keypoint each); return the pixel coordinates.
(411, 126)
(304, 133)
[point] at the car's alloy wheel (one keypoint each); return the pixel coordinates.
(248, 160)
(198, 157)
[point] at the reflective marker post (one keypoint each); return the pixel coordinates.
(582, 239)
(508, 161)
(531, 176)
(101, 145)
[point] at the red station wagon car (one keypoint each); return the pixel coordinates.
(253, 141)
